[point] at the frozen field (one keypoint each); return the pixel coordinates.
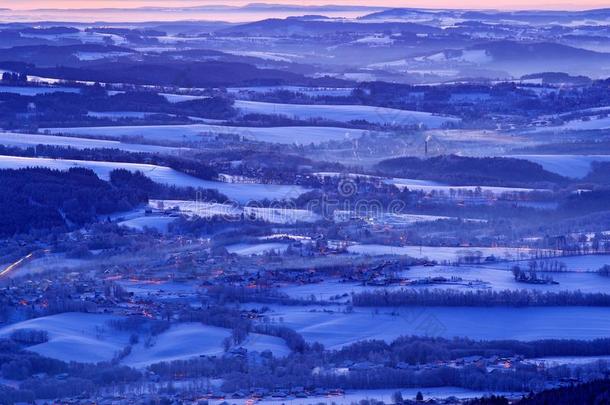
(337, 329)
(31, 140)
(346, 113)
(197, 132)
(238, 192)
(75, 337)
(575, 166)
(437, 253)
(188, 340)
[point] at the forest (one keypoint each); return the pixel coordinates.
(461, 170)
(42, 198)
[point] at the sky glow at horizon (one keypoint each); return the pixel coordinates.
(471, 4)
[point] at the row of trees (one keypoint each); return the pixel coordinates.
(479, 298)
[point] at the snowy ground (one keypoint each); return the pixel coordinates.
(567, 360)
(188, 340)
(238, 192)
(159, 289)
(498, 277)
(346, 113)
(31, 140)
(337, 329)
(88, 338)
(428, 186)
(575, 166)
(245, 249)
(75, 337)
(34, 91)
(437, 253)
(176, 98)
(385, 395)
(585, 263)
(577, 125)
(159, 223)
(198, 132)
(310, 91)
(207, 210)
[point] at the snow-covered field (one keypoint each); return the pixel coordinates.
(34, 91)
(385, 395)
(441, 253)
(335, 329)
(158, 223)
(238, 192)
(88, 338)
(198, 132)
(310, 91)
(585, 263)
(30, 140)
(245, 249)
(188, 340)
(207, 210)
(346, 113)
(75, 336)
(575, 166)
(176, 98)
(577, 125)
(567, 360)
(428, 186)
(465, 277)
(395, 219)
(500, 277)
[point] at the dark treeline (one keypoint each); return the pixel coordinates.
(40, 198)
(44, 198)
(171, 72)
(479, 298)
(600, 171)
(588, 201)
(67, 109)
(503, 98)
(591, 393)
(192, 167)
(296, 371)
(228, 293)
(421, 350)
(459, 170)
(16, 363)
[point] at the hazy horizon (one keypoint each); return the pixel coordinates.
(24, 5)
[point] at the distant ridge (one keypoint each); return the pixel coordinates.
(253, 7)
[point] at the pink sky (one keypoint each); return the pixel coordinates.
(499, 4)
